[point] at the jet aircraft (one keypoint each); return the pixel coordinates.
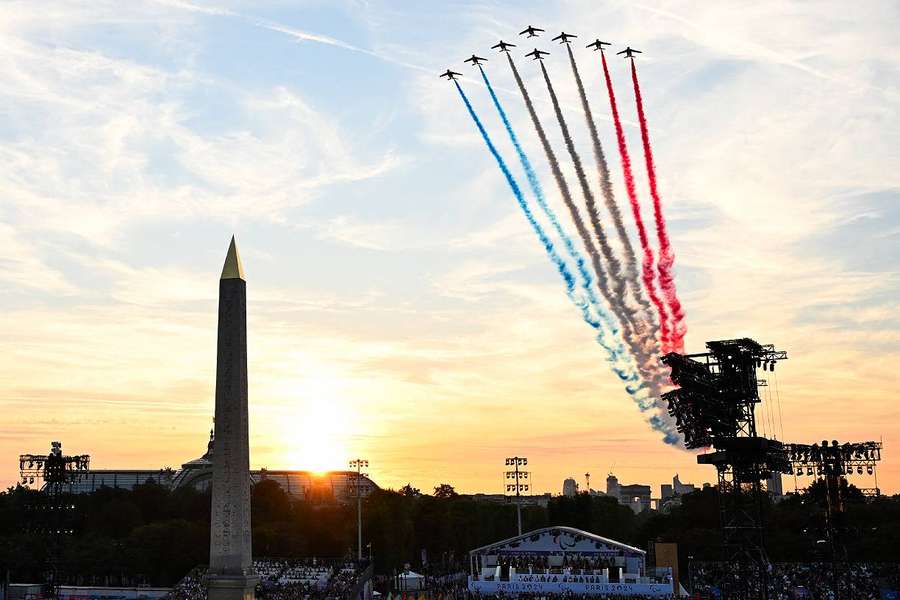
(564, 37)
(537, 54)
(503, 46)
(597, 45)
(450, 75)
(475, 60)
(531, 31)
(629, 52)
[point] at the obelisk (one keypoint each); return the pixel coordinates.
(231, 575)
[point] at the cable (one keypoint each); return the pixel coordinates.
(778, 396)
(763, 421)
(771, 412)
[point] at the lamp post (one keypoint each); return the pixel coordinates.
(516, 475)
(691, 574)
(359, 464)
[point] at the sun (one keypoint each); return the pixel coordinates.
(316, 429)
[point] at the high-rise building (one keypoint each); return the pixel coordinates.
(570, 488)
(667, 492)
(612, 486)
(773, 486)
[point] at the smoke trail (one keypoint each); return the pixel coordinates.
(625, 372)
(647, 263)
(641, 354)
(612, 263)
(586, 278)
(517, 192)
(666, 255)
(662, 422)
(602, 281)
(609, 198)
(619, 292)
(646, 346)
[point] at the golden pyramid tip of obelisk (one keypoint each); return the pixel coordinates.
(233, 269)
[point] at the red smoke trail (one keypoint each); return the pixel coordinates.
(666, 255)
(647, 263)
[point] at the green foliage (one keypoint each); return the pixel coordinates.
(155, 535)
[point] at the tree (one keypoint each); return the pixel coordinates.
(410, 492)
(445, 490)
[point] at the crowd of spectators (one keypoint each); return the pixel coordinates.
(793, 581)
(453, 586)
(463, 594)
(562, 563)
(284, 580)
(190, 587)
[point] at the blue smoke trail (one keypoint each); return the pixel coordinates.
(629, 376)
(517, 192)
(644, 402)
(586, 278)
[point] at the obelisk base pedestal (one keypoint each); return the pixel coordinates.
(231, 587)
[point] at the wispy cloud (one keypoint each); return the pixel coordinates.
(391, 272)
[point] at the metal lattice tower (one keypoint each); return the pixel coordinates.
(715, 406)
(52, 514)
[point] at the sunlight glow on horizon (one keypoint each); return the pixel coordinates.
(315, 429)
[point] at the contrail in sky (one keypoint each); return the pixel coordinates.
(620, 363)
(609, 198)
(625, 374)
(517, 192)
(660, 422)
(647, 263)
(602, 280)
(587, 279)
(612, 263)
(645, 344)
(666, 254)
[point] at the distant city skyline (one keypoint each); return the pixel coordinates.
(399, 308)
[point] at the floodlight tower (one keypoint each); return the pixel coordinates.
(51, 515)
(359, 464)
(715, 406)
(835, 463)
(517, 475)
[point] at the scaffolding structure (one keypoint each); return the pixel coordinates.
(50, 514)
(714, 406)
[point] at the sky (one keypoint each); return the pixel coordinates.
(400, 308)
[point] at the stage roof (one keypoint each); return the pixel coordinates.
(556, 539)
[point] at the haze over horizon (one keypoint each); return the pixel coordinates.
(400, 309)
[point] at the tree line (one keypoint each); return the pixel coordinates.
(154, 535)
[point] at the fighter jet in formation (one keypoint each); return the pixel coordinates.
(450, 75)
(475, 60)
(531, 31)
(503, 46)
(597, 45)
(537, 54)
(629, 52)
(564, 37)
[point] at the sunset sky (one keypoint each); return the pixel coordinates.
(400, 308)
